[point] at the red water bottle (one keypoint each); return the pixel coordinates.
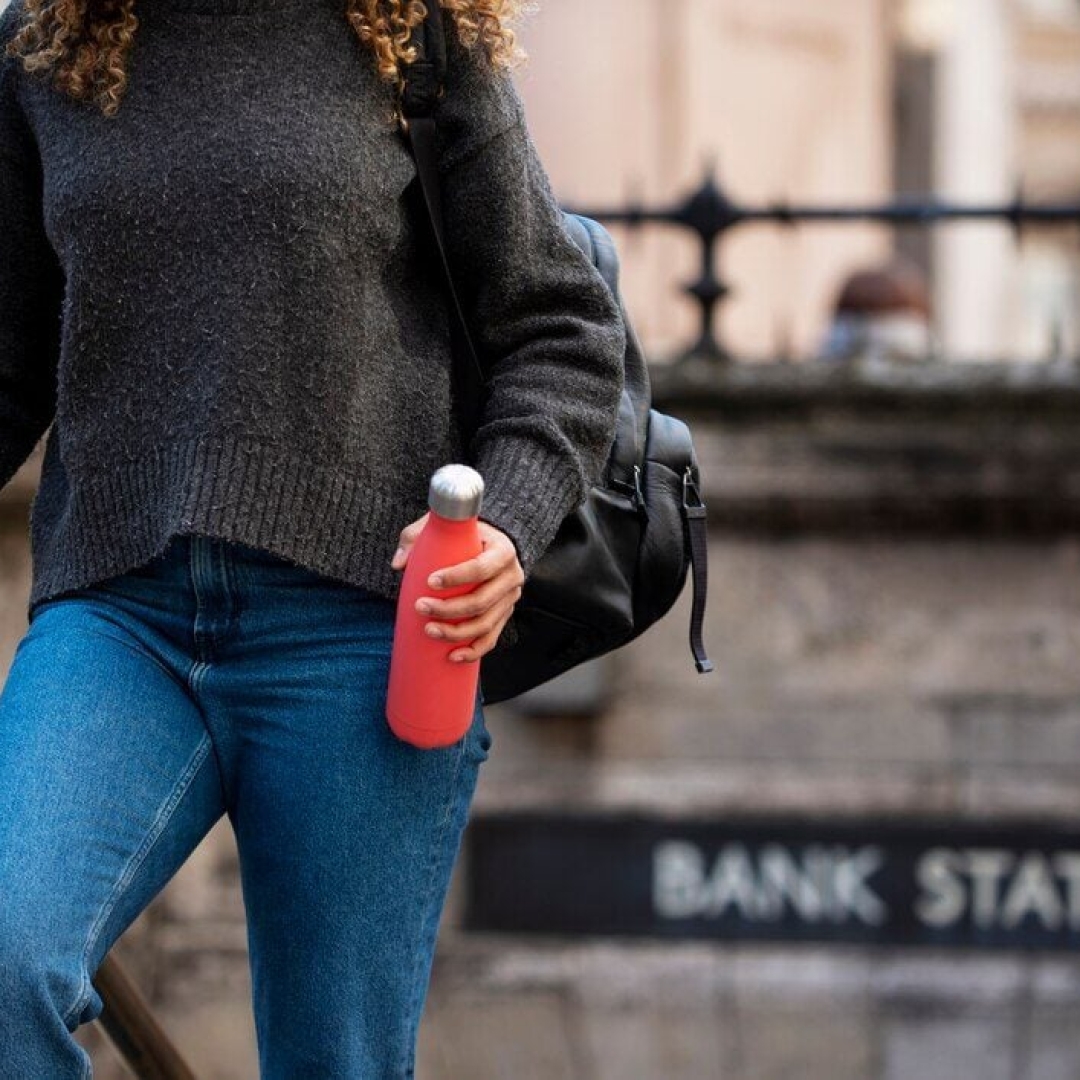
(430, 699)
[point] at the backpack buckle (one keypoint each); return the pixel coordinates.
(697, 508)
(639, 495)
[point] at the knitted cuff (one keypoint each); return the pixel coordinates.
(527, 494)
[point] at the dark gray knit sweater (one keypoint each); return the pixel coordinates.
(220, 301)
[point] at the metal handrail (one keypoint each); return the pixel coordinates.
(133, 1029)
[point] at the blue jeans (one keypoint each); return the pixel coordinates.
(220, 678)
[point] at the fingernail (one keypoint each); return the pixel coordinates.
(433, 631)
(423, 607)
(397, 555)
(435, 581)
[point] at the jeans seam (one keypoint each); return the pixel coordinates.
(157, 827)
(433, 860)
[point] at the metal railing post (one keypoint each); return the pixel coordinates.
(133, 1029)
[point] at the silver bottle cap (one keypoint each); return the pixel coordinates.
(456, 492)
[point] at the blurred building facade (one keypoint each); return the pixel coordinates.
(849, 102)
(990, 109)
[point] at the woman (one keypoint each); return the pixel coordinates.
(216, 289)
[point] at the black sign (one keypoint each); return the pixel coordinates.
(1008, 884)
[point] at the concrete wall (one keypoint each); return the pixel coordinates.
(878, 653)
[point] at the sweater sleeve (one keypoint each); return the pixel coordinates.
(548, 330)
(31, 280)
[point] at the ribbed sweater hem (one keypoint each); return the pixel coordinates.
(344, 526)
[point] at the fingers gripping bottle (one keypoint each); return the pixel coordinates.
(431, 699)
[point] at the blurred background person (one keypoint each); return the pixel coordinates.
(882, 313)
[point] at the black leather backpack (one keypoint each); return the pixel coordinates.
(619, 561)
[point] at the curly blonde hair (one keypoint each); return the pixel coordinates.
(85, 43)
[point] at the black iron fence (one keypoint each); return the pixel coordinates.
(709, 213)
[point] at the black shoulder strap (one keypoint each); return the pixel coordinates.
(416, 113)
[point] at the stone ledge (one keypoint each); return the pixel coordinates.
(679, 789)
(930, 449)
(743, 388)
(632, 970)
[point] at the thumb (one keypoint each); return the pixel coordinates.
(405, 542)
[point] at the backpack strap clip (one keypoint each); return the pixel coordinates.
(422, 84)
